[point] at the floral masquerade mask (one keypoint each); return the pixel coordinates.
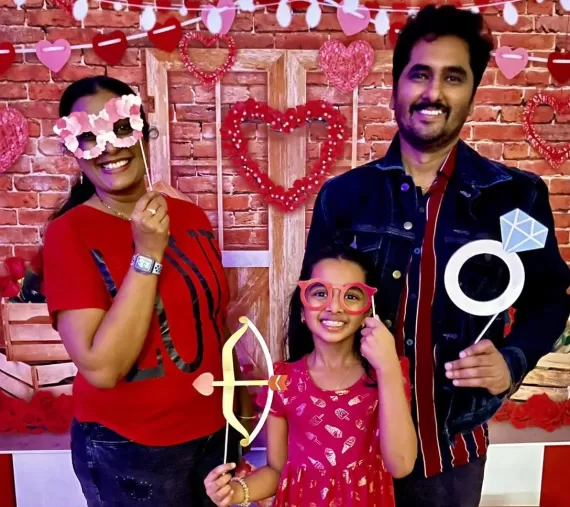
(86, 135)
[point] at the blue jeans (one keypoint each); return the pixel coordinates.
(116, 472)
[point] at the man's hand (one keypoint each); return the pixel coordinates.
(480, 365)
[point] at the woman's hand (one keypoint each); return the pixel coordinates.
(218, 486)
(379, 348)
(150, 225)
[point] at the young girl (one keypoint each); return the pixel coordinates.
(343, 427)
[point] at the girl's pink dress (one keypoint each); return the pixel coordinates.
(333, 450)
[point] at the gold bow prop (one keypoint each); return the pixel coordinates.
(205, 384)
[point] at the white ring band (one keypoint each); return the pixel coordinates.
(151, 211)
(482, 308)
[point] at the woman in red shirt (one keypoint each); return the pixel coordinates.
(136, 288)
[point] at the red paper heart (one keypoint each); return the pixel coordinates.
(560, 71)
(168, 40)
(110, 53)
(346, 67)
(65, 5)
(394, 32)
(6, 59)
(208, 79)
(16, 267)
(554, 155)
(331, 149)
(13, 136)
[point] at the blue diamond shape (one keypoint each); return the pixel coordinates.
(520, 232)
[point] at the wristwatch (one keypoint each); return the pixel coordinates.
(146, 265)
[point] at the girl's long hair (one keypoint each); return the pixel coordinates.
(298, 338)
(82, 188)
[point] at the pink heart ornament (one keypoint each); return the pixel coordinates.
(227, 16)
(53, 60)
(13, 137)
(203, 384)
(351, 24)
(511, 61)
(346, 67)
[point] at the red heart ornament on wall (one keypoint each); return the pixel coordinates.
(6, 59)
(346, 67)
(394, 32)
(168, 35)
(207, 78)
(554, 155)
(235, 144)
(559, 69)
(13, 136)
(110, 53)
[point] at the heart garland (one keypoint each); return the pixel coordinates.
(555, 156)
(346, 67)
(13, 137)
(166, 36)
(110, 53)
(511, 62)
(559, 70)
(6, 59)
(235, 144)
(208, 79)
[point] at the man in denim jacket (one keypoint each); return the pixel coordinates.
(410, 211)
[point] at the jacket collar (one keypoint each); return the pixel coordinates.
(471, 169)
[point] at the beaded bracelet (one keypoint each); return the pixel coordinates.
(246, 502)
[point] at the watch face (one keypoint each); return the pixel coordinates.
(144, 263)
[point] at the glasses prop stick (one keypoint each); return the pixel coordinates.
(519, 233)
(205, 384)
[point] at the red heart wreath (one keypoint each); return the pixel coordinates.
(555, 156)
(208, 79)
(236, 145)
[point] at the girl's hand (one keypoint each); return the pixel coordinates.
(150, 224)
(379, 348)
(218, 486)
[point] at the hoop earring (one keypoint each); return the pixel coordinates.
(81, 177)
(302, 318)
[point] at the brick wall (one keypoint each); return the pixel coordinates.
(42, 176)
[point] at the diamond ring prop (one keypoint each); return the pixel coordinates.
(519, 233)
(205, 384)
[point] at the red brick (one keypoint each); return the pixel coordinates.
(26, 73)
(132, 57)
(380, 114)
(497, 132)
(6, 250)
(18, 235)
(268, 23)
(181, 94)
(492, 151)
(33, 217)
(26, 252)
(498, 96)
(544, 8)
(246, 239)
(8, 217)
(254, 40)
(13, 91)
(204, 149)
(22, 165)
(51, 17)
(5, 182)
(562, 220)
(516, 151)
(538, 167)
(180, 150)
(51, 146)
(198, 184)
(380, 132)
(55, 165)
(498, 24)
(300, 40)
(530, 42)
(485, 113)
(563, 237)
(51, 92)
(374, 97)
(41, 183)
(39, 109)
(21, 34)
(128, 75)
(560, 186)
(250, 218)
(185, 131)
(52, 200)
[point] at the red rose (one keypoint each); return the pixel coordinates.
(505, 412)
(547, 414)
(521, 416)
(16, 267)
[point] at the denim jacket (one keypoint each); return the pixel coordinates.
(363, 206)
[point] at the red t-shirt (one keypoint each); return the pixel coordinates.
(87, 253)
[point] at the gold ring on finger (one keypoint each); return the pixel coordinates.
(151, 211)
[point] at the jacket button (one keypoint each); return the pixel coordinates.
(397, 274)
(408, 225)
(388, 323)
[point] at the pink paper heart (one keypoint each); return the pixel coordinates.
(351, 24)
(228, 15)
(346, 67)
(53, 60)
(203, 384)
(511, 61)
(13, 136)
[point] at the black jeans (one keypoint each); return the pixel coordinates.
(116, 472)
(461, 487)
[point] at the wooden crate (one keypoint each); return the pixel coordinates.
(22, 379)
(551, 376)
(29, 335)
